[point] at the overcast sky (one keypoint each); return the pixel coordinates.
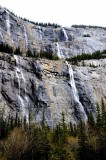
(63, 12)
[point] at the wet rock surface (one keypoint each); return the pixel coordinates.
(46, 88)
(43, 87)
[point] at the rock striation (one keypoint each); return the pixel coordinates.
(46, 88)
(72, 41)
(43, 87)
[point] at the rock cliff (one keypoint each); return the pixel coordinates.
(46, 88)
(17, 32)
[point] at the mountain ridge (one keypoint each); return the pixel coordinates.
(27, 35)
(47, 87)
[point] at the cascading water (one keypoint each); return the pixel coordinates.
(75, 93)
(8, 22)
(59, 51)
(23, 109)
(72, 82)
(65, 34)
(40, 33)
(1, 35)
(18, 73)
(26, 36)
(23, 78)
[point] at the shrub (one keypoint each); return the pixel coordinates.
(86, 35)
(18, 51)
(17, 145)
(5, 48)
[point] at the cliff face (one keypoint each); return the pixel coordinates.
(45, 87)
(70, 41)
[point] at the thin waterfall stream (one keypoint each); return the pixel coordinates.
(19, 72)
(75, 93)
(26, 36)
(72, 81)
(8, 22)
(65, 34)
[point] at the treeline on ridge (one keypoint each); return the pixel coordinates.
(87, 26)
(42, 54)
(29, 53)
(8, 49)
(36, 23)
(43, 24)
(96, 55)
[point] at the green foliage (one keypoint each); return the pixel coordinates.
(55, 40)
(48, 55)
(48, 25)
(85, 26)
(18, 51)
(91, 120)
(85, 150)
(5, 48)
(29, 53)
(83, 56)
(36, 23)
(20, 140)
(99, 117)
(42, 54)
(54, 25)
(86, 35)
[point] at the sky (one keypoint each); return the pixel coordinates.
(63, 12)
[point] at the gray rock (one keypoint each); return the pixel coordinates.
(17, 32)
(43, 86)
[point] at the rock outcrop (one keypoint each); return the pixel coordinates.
(43, 87)
(72, 41)
(46, 88)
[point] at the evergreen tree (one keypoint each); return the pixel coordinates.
(85, 151)
(103, 114)
(99, 121)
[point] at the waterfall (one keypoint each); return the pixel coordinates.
(72, 83)
(17, 71)
(59, 51)
(20, 76)
(75, 93)
(26, 36)
(1, 35)
(16, 58)
(8, 22)
(23, 109)
(24, 80)
(40, 33)
(65, 34)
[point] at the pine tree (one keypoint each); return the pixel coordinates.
(64, 130)
(99, 117)
(85, 151)
(103, 114)
(101, 132)
(91, 121)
